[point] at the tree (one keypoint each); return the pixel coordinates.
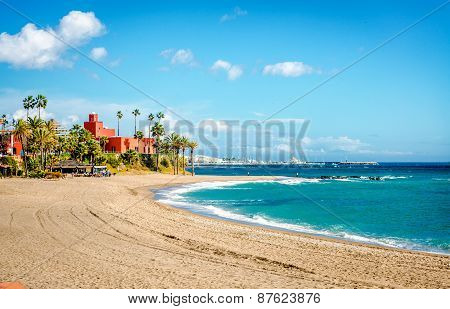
(130, 156)
(28, 103)
(22, 132)
(41, 102)
(51, 141)
(3, 121)
(150, 119)
(33, 144)
(93, 149)
(157, 132)
(119, 116)
(43, 136)
(160, 116)
(192, 145)
(184, 143)
(103, 141)
(136, 113)
(139, 135)
(173, 140)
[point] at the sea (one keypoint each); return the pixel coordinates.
(401, 205)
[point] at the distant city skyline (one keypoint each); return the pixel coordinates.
(241, 60)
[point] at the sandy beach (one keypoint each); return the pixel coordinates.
(110, 233)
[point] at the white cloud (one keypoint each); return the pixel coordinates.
(183, 56)
(115, 63)
(98, 53)
(233, 71)
(335, 144)
(73, 118)
(35, 48)
(288, 69)
(78, 27)
(236, 13)
(166, 53)
(22, 114)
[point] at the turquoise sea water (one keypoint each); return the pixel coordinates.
(399, 205)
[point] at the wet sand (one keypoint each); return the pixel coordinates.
(110, 233)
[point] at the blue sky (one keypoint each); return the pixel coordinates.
(240, 60)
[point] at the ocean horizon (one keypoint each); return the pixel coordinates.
(400, 205)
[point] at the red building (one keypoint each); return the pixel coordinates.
(13, 146)
(118, 144)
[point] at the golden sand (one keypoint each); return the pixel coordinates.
(110, 233)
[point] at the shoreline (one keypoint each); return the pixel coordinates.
(111, 233)
(280, 229)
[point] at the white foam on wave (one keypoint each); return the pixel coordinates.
(296, 181)
(174, 196)
(390, 177)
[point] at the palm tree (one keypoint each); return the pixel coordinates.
(43, 136)
(160, 116)
(51, 141)
(22, 132)
(119, 116)
(40, 102)
(184, 143)
(139, 135)
(150, 119)
(34, 125)
(192, 145)
(103, 141)
(3, 121)
(157, 132)
(28, 103)
(136, 113)
(174, 141)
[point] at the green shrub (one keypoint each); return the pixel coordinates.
(165, 162)
(148, 160)
(130, 157)
(36, 174)
(113, 160)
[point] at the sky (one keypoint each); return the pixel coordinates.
(241, 60)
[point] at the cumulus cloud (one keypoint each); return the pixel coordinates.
(35, 48)
(233, 71)
(288, 69)
(98, 53)
(235, 14)
(78, 27)
(180, 56)
(183, 56)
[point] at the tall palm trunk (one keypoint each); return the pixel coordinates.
(24, 157)
(135, 125)
(118, 127)
(157, 158)
(42, 158)
(178, 161)
(192, 161)
(184, 169)
(174, 161)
